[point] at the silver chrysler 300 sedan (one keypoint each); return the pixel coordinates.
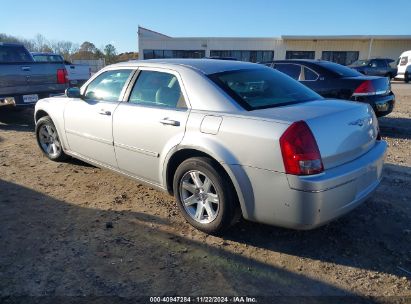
(226, 138)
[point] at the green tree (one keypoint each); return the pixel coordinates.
(110, 53)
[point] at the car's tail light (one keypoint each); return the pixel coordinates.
(364, 89)
(300, 151)
(62, 76)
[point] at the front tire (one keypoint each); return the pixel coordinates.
(406, 77)
(49, 140)
(205, 195)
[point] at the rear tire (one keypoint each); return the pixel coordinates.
(205, 195)
(49, 140)
(406, 77)
(389, 75)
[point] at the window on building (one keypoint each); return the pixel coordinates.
(158, 54)
(300, 55)
(252, 56)
(341, 57)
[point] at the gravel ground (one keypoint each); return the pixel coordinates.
(70, 229)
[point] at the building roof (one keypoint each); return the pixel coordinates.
(348, 37)
(158, 35)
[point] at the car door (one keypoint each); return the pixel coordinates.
(88, 120)
(150, 123)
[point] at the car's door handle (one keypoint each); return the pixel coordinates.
(25, 68)
(170, 122)
(104, 112)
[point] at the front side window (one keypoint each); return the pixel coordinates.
(158, 89)
(262, 88)
(107, 86)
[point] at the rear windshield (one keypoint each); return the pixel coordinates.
(14, 54)
(262, 88)
(48, 58)
(339, 69)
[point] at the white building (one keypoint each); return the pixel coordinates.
(341, 49)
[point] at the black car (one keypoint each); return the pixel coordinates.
(332, 80)
(375, 67)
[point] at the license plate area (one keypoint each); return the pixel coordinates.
(32, 98)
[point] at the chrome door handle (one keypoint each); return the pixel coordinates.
(170, 122)
(25, 68)
(104, 112)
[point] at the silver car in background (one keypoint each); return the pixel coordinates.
(226, 138)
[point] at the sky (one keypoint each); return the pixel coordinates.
(117, 21)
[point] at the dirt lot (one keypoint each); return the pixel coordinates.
(71, 229)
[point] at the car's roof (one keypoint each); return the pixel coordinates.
(10, 44)
(205, 66)
(299, 60)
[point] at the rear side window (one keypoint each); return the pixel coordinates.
(309, 75)
(157, 89)
(404, 60)
(14, 54)
(292, 70)
(48, 58)
(107, 86)
(262, 88)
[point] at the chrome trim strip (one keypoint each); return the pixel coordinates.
(88, 136)
(134, 149)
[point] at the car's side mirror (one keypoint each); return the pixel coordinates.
(73, 93)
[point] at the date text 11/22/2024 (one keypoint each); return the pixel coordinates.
(235, 299)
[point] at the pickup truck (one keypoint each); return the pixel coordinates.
(375, 67)
(77, 74)
(23, 81)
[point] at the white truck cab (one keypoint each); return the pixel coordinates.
(404, 66)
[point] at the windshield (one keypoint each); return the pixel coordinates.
(262, 88)
(339, 69)
(360, 63)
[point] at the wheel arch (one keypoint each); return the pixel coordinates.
(39, 114)
(243, 193)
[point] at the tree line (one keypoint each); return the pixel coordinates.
(69, 50)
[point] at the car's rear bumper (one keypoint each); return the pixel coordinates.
(381, 104)
(306, 202)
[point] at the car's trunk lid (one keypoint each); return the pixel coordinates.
(370, 85)
(343, 130)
